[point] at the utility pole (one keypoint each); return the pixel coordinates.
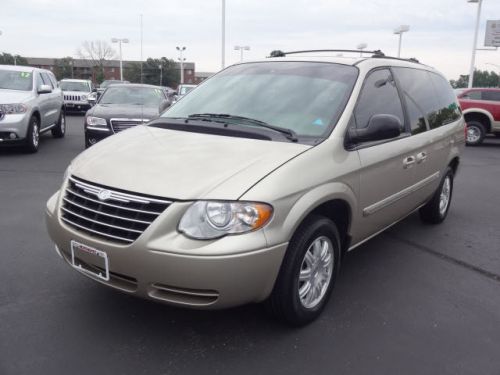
(181, 59)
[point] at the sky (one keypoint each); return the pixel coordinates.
(441, 31)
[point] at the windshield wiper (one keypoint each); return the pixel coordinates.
(289, 133)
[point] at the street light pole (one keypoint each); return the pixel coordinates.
(241, 49)
(181, 59)
(161, 74)
(223, 45)
(399, 31)
(474, 43)
(120, 41)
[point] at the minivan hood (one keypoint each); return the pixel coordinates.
(108, 111)
(14, 96)
(181, 165)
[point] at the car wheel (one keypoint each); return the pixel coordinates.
(436, 210)
(33, 135)
(60, 129)
(308, 272)
(475, 133)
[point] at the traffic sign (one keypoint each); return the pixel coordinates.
(492, 35)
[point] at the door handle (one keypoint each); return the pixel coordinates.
(408, 162)
(421, 157)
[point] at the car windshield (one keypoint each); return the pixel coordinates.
(75, 86)
(147, 96)
(185, 89)
(307, 98)
(15, 80)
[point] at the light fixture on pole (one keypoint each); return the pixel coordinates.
(361, 47)
(181, 59)
(120, 41)
(241, 49)
(161, 73)
(223, 32)
(399, 31)
(474, 43)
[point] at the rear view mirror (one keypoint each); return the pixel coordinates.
(379, 127)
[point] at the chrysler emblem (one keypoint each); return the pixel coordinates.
(104, 195)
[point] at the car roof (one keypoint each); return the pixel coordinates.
(18, 68)
(138, 85)
(75, 80)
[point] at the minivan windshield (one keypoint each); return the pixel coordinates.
(75, 86)
(130, 95)
(15, 80)
(305, 97)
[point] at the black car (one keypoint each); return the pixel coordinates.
(121, 107)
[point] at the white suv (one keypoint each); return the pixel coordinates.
(76, 93)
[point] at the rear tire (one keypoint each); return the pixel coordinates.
(60, 129)
(33, 135)
(475, 133)
(436, 210)
(308, 272)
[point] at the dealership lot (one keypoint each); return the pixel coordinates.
(416, 299)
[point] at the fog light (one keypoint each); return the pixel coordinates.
(92, 141)
(12, 136)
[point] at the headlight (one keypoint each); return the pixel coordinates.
(96, 121)
(214, 219)
(10, 109)
(92, 96)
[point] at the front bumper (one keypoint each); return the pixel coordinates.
(165, 266)
(16, 124)
(76, 106)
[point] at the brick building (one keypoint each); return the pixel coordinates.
(82, 69)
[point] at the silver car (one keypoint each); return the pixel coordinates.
(255, 185)
(31, 103)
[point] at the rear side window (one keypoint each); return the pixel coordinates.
(474, 95)
(419, 96)
(491, 95)
(447, 109)
(378, 96)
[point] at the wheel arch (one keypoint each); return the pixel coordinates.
(480, 115)
(335, 201)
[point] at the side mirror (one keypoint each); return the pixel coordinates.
(379, 127)
(44, 89)
(164, 105)
(94, 90)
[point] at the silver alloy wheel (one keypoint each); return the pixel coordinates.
(316, 272)
(473, 134)
(35, 134)
(444, 198)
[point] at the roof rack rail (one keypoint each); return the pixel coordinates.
(278, 53)
(377, 53)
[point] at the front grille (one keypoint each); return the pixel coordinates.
(121, 124)
(74, 98)
(113, 215)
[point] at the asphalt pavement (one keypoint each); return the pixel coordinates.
(416, 299)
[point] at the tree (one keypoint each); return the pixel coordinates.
(8, 59)
(96, 52)
(63, 68)
(151, 72)
(482, 78)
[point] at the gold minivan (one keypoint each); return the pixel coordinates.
(254, 186)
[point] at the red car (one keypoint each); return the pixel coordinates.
(481, 109)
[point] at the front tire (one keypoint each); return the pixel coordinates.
(308, 272)
(60, 129)
(33, 135)
(436, 210)
(476, 132)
